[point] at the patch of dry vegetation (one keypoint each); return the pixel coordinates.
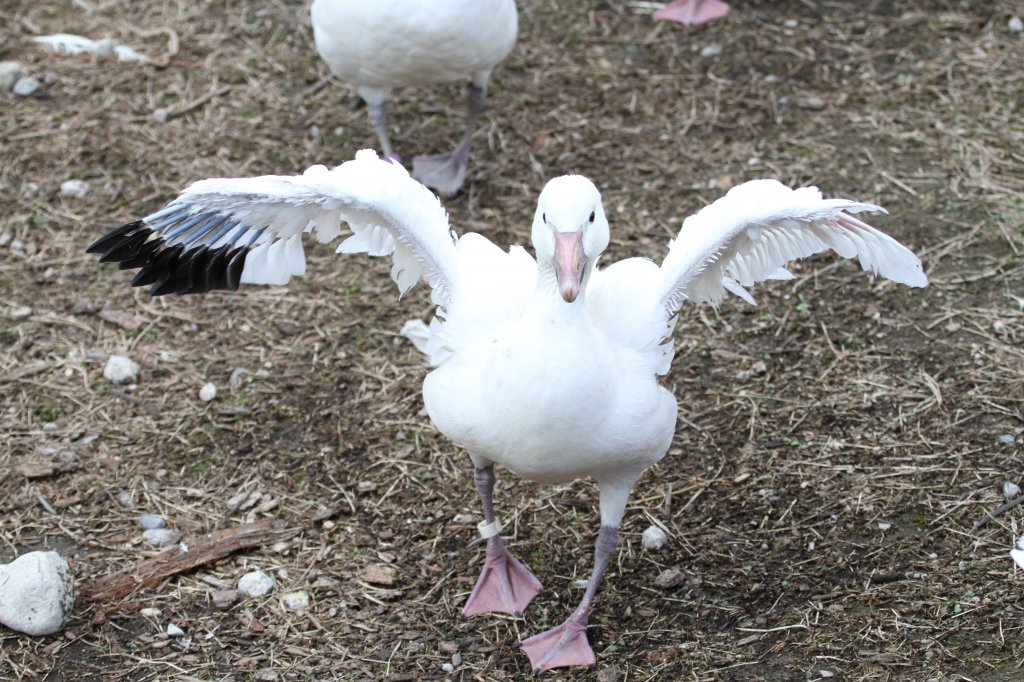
(822, 505)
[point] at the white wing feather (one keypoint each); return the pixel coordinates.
(388, 211)
(750, 234)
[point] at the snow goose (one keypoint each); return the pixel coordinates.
(549, 366)
(387, 44)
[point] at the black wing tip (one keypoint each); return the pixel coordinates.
(104, 243)
(173, 269)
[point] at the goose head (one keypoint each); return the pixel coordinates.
(570, 231)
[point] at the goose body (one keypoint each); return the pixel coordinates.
(546, 366)
(384, 44)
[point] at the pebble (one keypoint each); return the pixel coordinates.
(1015, 25)
(121, 370)
(448, 667)
(255, 584)
(174, 631)
(463, 518)
(161, 537)
(759, 367)
(223, 599)
(208, 392)
(235, 380)
(25, 86)
(152, 522)
(150, 612)
(669, 578)
(812, 103)
(295, 601)
(712, 50)
(75, 189)
(791, 23)
(36, 593)
(654, 538)
(21, 314)
(10, 73)
(1010, 490)
(1007, 439)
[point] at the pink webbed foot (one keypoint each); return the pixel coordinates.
(504, 585)
(443, 172)
(692, 12)
(560, 647)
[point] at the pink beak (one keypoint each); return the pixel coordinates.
(569, 263)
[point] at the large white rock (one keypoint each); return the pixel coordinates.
(36, 593)
(121, 370)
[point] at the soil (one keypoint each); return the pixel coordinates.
(838, 448)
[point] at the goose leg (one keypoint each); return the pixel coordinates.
(447, 172)
(378, 116)
(504, 585)
(567, 645)
(692, 12)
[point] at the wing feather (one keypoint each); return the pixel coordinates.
(223, 232)
(751, 233)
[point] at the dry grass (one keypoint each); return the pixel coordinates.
(823, 512)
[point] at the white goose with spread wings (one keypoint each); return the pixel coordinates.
(547, 367)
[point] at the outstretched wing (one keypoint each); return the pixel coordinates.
(751, 233)
(223, 232)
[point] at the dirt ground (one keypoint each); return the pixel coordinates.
(837, 445)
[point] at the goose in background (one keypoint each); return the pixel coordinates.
(546, 366)
(378, 45)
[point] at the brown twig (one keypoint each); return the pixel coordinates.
(1002, 509)
(177, 559)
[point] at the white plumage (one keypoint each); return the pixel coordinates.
(546, 366)
(384, 44)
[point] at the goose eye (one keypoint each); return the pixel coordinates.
(591, 216)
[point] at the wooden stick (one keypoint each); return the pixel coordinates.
(173, 560)
(1005, 507)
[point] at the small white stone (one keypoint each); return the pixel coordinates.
(654, 538)
(152, 522)
(883, 526)
(1015, 25)
(1018, 557)
(21, 314)
(1007, 439)
(36, 593)
(712, 50)
(150, 612)
(295, 601)
(174, 631)
(161, 115)
(208, 392)
(448, 667)
(75, 189)
(255, 584)
(826, 673)
(464, 518)
(10, 73)
(25, 86)
(791, 23)
(121, 370)
(161, 537)
(1010, 490)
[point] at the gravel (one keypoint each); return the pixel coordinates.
(255, 584)
(121, 370)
